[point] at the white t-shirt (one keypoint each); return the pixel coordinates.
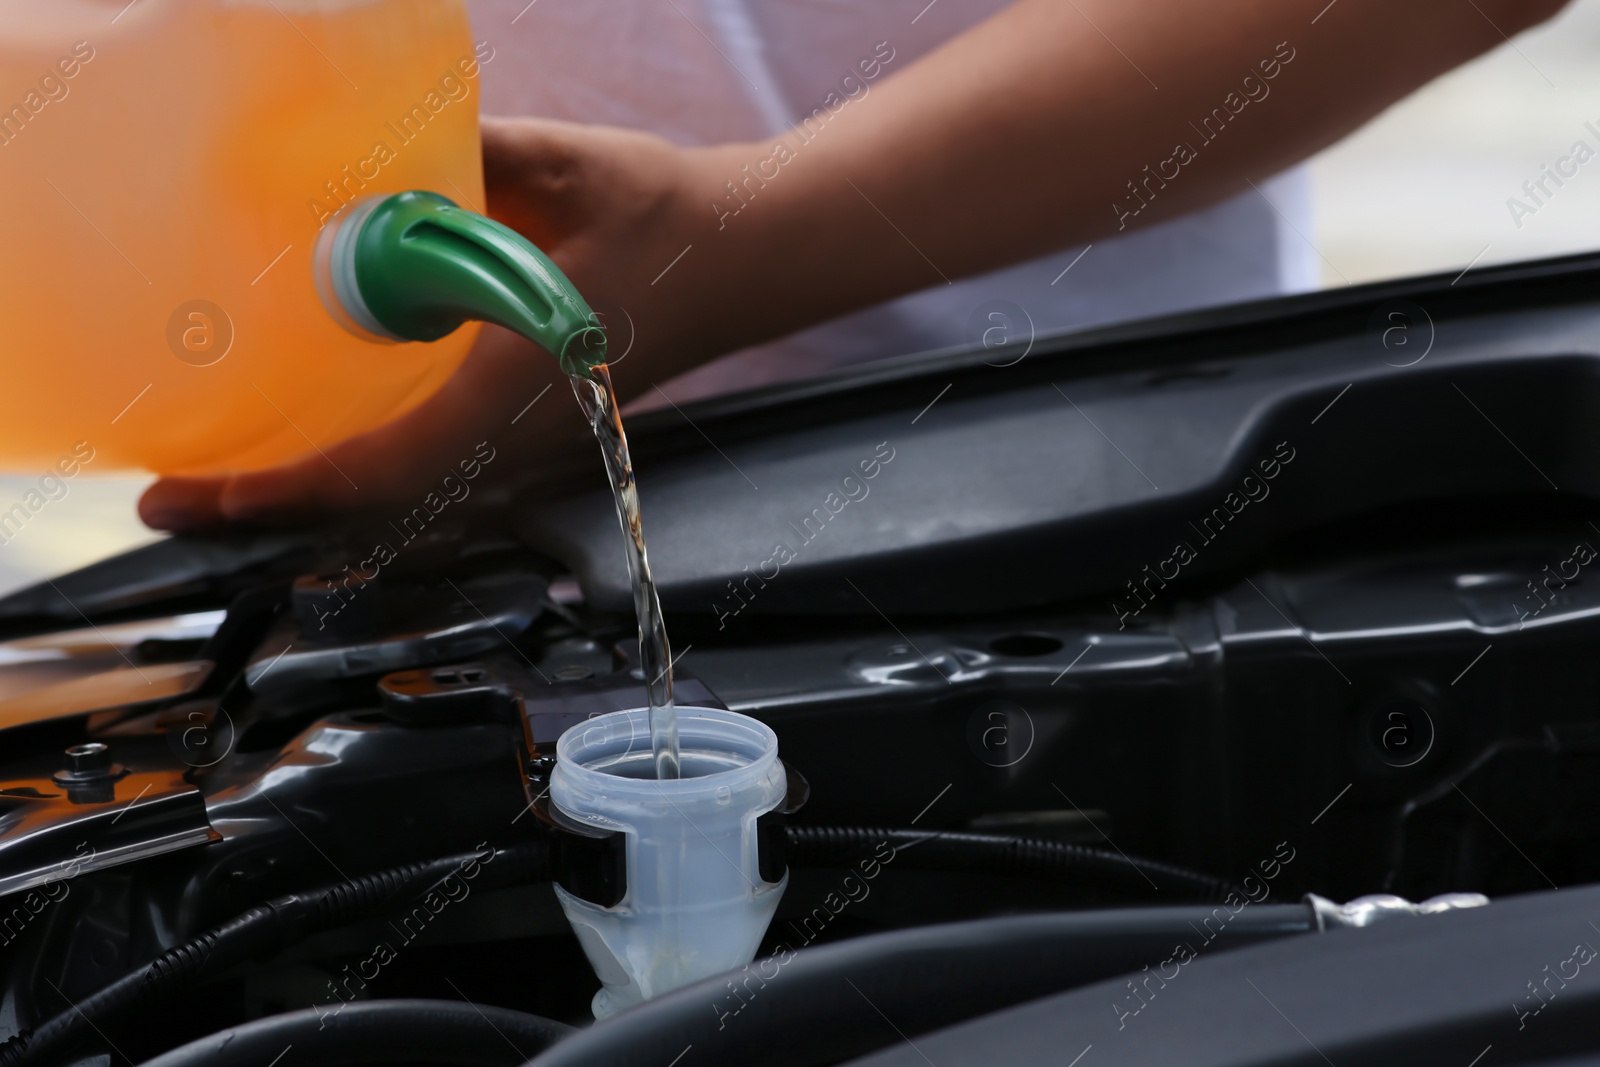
(709, 71)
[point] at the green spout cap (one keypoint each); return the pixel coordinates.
(414, 267)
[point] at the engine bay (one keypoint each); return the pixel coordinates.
(1325, 668)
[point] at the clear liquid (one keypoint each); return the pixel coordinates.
(639, 765)
(599, 402)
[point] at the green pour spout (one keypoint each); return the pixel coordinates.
(414, 267)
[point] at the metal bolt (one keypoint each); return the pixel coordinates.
(89, 760)
(89, 764)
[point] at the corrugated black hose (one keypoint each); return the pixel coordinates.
(841, 846)
(270, 927)
(378, 1033)
(265, 929)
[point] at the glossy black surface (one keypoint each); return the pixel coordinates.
(1068, 473)
(1377, 659)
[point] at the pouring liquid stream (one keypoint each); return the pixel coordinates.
(413, 266)
(599, 402)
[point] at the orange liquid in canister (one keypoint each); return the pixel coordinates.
(165, 169)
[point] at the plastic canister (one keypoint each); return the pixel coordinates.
(167, 166)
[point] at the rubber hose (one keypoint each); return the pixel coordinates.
(825, 1005)
(262, 929)
(377, 1033)
(842, 846)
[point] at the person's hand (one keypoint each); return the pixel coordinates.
(609, 207)
(1024, 135)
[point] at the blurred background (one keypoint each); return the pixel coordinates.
(1421, 189)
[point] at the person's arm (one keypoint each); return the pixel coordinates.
(1053, 123)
